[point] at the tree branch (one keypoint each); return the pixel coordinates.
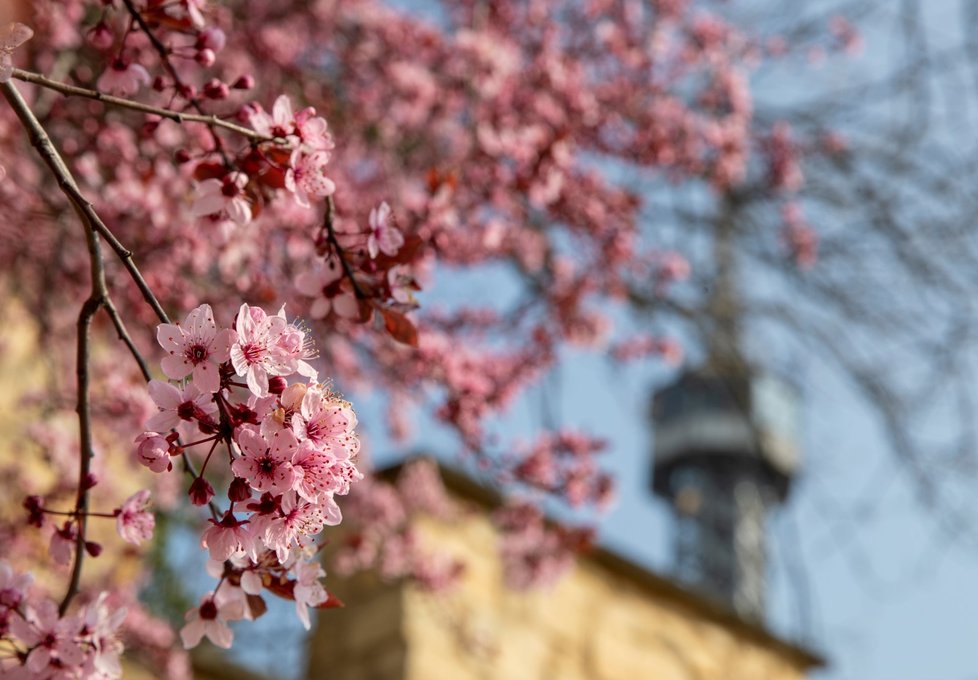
(110, 100)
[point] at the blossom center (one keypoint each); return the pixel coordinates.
(197, 353)
(252, 352)
(208, 611)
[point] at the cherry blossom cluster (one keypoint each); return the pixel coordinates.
(289, 448)
(382, 536)
(563, 464)
(39, 642)
(536, 553)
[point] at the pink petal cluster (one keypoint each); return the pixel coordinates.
(82, 645)
(293, 451)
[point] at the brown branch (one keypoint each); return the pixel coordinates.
(110, 100)
(120, 327)
(96, 300)
(333, 241)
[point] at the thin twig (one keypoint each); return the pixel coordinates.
(75, 91)
(164, 52)
(120, 327)
(333, 241)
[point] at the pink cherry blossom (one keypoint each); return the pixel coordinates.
(306, 176)
(224, 196)
(211, 620)
(327, 421)
(308, 592)
(62, 543)
(256, 353)
(153, 451)
(331, 290)
(228, 537)
(11, 37)
(281, 123)
(195, 347)
(52, 640)
(178, 406)
(384, 236)
(122, 78)
(300, 519)
(102, 623)
(133, 522)
(267, 465)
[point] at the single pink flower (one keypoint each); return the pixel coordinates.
(210, 620)
(153, 451)
(384, 236)
(266, 464)
(228, 537)
(256, 353)
(133, 522)
(195, 347)
(300, 519)
(178, 406)
(308, 591)
(328, 422)
(331, 289)
(63, 543)
(281, 123)
(12, 37)
(122, 79)
(52, 640)
(306, 176)
(227, 195)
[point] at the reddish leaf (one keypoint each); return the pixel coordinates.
(208, 170)
(256, 606)
(332, 602)
(400, 327)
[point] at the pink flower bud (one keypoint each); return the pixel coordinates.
(181, 156)
(211, 39)
(90, 481)
(101, 36)
(206, 57)
(215, 89)
(153, 451)
(35, 511)
(159, 83)
(201, 492)
(240, 490)
(245, 82)
(92, 548)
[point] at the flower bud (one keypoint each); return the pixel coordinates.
(211, 39)
(181, 156)
(245, 82)
(239, 490)
(101, 36)
(215, 89)
(92, 548)
(205, 57)
(90, 481)
(159, 83)
(201, 492)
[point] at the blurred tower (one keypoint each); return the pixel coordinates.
(725, 448)
(725, 456)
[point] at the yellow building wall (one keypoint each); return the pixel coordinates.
(595, 624)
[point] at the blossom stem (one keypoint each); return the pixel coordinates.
(164, 54)
(181, 118)
(333, 241)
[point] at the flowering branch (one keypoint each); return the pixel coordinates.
(111, 100)
(182, 88)
(335, 243)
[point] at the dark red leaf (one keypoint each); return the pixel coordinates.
(400, 327)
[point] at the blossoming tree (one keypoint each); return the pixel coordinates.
(183, 180)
